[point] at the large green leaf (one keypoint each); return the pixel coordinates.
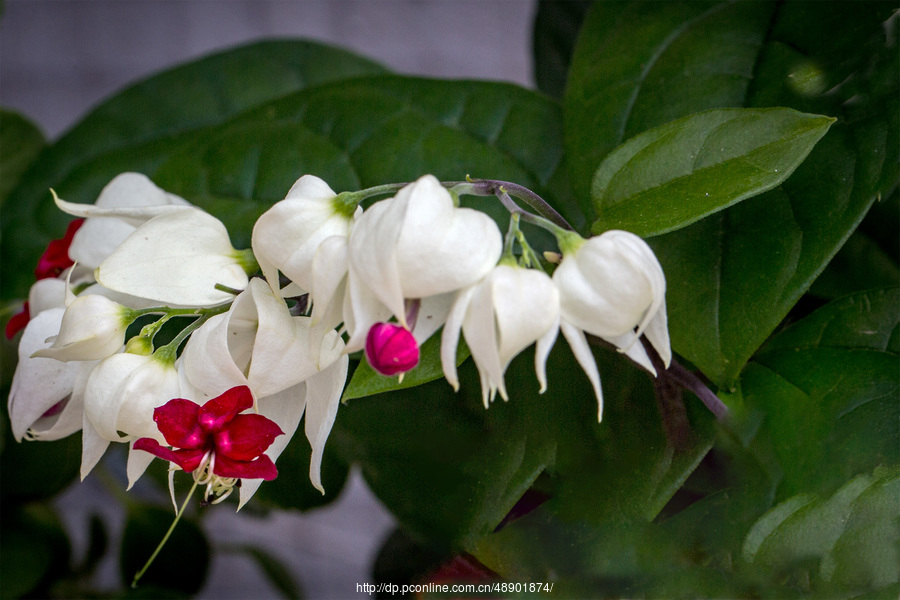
(846, 543)
(641, 64)
(833, 530)
(353, 134)
(733, 276)
(829, 388)
(20, 142)
(675, 174)
(175, 103)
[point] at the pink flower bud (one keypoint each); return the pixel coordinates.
(391, 349)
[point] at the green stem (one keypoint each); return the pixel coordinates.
(511, 235)
(346, 202)
(165, 539)
(168, 352)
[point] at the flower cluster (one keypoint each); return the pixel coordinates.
(147, 327)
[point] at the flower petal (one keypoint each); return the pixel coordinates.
(176, 258)
(323, 396)
(93, 327)
(207, 361)
(286, 409)
(585, 358)
(246, 437)
(136, 464)
(287, 235)
(38, 383)
(188, 460)
(177, 420)
(218, 412)
(450, 337)
(261, 468)
(93, 445)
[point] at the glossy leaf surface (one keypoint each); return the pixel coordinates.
(675, 174)
(733, 276)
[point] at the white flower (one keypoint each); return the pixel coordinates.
(500, 316)
(177, 258)
(129, 200)
(259, 344)
(287, 235)
(46, 396)
(612, 286)
(415, 245)
(305, 236)
(120, 396)
(93, 327)
(46, 294)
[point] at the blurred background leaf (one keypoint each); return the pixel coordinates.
(556, 26)
(20, 142)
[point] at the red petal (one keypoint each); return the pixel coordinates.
(246, 437)
(188, 460)
(216, 413)
(17, 322)
(261, 468)
(55, 258)
(177, 420)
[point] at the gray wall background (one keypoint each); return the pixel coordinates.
(59, 58)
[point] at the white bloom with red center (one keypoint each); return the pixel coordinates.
(46, 396)
(259, 344)
(612, 286)
(500, 316)
(415, 246)
(93, 327)
(178, 258)
(128, 201)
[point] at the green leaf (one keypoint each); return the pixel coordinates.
(180, 566)
(354, 134)
(733, 276)
(828, 389)
(449, 469)
(638, 65)
(847, 543)
(20, 142)
(175, 103)
(860, 265)
(367, 382)
(556, 26)
(677, 173)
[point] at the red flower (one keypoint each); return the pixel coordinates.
(55, 258)
(232, 443)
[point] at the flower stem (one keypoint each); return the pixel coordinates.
(346, 202)
(491, 187)
(165, 539)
